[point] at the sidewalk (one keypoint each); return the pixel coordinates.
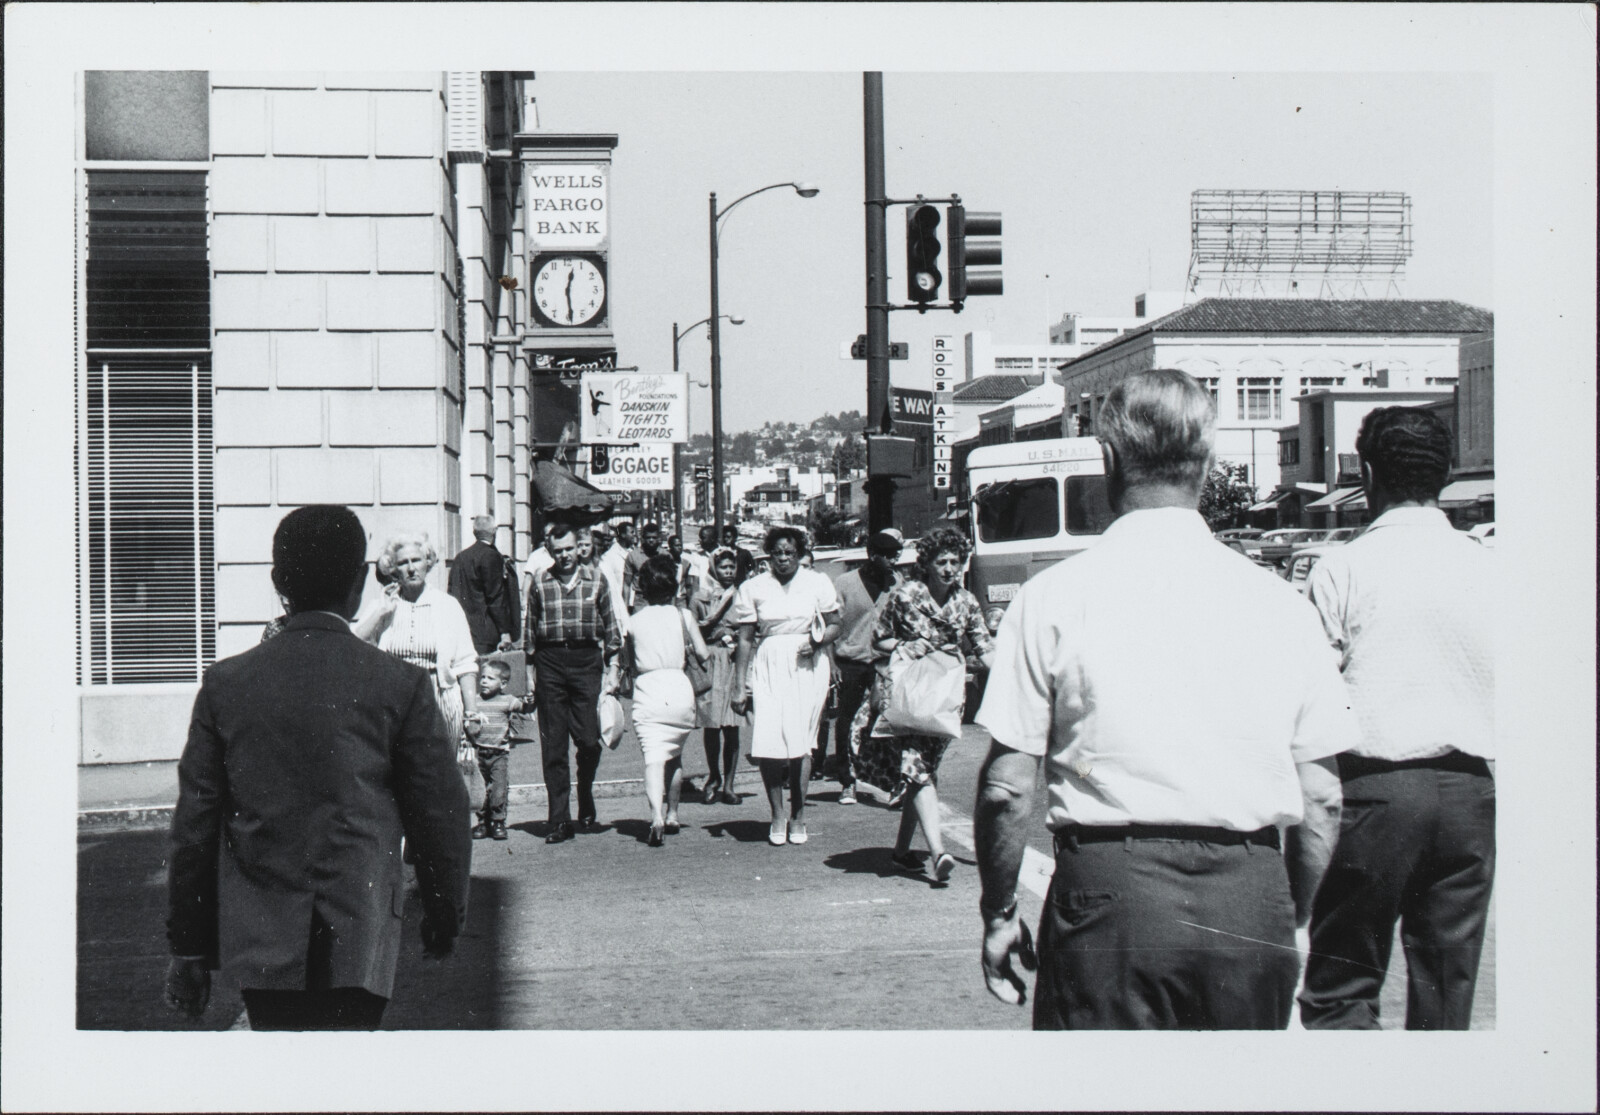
(141, 795)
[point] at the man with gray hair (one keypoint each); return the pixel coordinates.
(484, 583)
(1188, 706)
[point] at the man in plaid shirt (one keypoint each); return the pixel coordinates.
(573, 632)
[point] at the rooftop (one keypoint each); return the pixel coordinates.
(1310, 315)
(991, 389)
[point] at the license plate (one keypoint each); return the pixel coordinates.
(999, 594)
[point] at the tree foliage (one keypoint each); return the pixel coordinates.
(851, 453)
(826, 525)
(1226, 496)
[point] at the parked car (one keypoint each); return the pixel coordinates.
(1483, 533)
(1298, 568)
(1277, 545)
(1238, 538)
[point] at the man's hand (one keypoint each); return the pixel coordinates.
(436, 942)
(188, 986)
(474, 725)
(739, 701)
(505, 642)
(1006, 945)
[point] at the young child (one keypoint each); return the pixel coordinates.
(488, 733)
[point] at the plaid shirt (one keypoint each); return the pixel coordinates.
(581, 614)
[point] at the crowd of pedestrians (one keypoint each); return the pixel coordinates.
(1227, 764)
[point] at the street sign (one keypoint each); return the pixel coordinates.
(702, 472)
(898, 350)
(632, 468)
(911, 407)
(626, 408)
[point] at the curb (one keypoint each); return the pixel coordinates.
(530, 793)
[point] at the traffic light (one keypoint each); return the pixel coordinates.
(922, 253)
(974, 262)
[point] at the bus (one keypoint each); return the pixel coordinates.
(1033, 503)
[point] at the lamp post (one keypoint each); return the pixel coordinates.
(677, 478)
(804, 189)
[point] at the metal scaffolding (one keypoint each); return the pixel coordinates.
(1298, 243)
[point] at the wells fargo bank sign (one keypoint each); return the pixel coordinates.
(567, 204)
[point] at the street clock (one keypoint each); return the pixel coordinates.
(568, 289)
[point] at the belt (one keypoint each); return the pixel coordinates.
(1073, 835)
(565, 644)
(1352, 765)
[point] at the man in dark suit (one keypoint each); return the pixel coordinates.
(308, 758)
(484, 582)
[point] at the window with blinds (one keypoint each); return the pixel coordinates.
(148, 607)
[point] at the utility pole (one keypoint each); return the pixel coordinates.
(880, 490)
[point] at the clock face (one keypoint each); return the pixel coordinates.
(569, 290)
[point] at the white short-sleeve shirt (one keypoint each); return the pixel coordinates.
(784, 609)
(1167, 680)
(1407, 607)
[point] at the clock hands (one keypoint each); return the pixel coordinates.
(572, 274)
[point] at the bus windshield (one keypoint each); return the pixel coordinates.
(1018, 510)
(1013, 510)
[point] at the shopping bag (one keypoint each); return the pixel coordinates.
(612, 720)
(926, 695)
(467, 760)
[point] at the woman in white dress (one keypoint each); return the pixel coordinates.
(661, 636)
(783, 682)
(425, 626)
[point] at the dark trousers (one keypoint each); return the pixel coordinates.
(318, 1007)
(1416, 845)
(495, 766)
(1166, 935)
(567, 691)
(855, 682)
(342, 1008)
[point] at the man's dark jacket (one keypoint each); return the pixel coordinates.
(308, 757)
(484, 582)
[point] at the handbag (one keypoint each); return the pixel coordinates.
(467, 761)
(926, 695)
(698, 673)
(613, 720)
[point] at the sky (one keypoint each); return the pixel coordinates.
(1091, 172)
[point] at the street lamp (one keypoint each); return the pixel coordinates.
(677, 479)
(804, 189)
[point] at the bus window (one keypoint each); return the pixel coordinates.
(1019, 509)
(1088, 508)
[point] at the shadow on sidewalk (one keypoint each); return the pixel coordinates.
(461, 992)
(745, 832)
(122, 938)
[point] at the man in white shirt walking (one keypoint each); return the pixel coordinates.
(1407, 606)
(1188, 708)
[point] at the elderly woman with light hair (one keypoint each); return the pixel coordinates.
(425, 626)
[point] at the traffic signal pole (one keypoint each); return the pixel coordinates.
(880, 490)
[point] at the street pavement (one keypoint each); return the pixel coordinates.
(717, 930)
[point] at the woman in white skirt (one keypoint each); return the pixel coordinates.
(792, 613)
(660, 638)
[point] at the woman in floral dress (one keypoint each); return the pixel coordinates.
(934, 613)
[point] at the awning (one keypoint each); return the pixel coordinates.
(1334, 499)
(558, 490)
(1463, 493)
(1273, 500)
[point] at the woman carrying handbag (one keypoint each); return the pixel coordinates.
(662, 639)
(922, 637)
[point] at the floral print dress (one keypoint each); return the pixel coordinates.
(900, 764)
